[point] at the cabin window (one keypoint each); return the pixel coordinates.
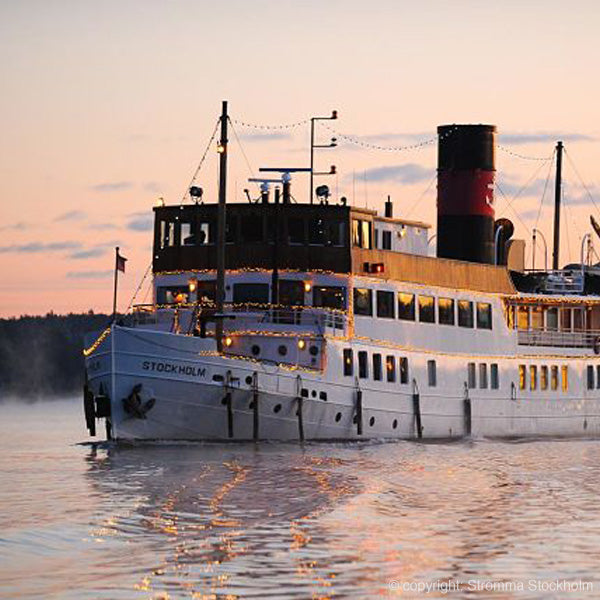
(291, 292)
(317, 231)
(207, 290)
(390, 368)
(578, 320)
(432, 373)
(377, 367)
(348, 362)
(375, 238)
(564, 371)
(543, 377)
(494, 376)
(403, 369)
(386, 240)
(484, 315)
(597, 376)
(252, 229)
(296, 231)
(172, 294)
(188, 237)
(363, 302)
(361, 233)
(537, 317)
(554, 378)
(385, 304)
(471, 376)
(329, 297)
(483, 378)
(523, 317)
(363, 367)
(552, 319)
(406, 306)
(565, 319)
(427, 309)
(255, 293)
(446, 311)
(522, 377)
(590, 377)
(231, 229)
(465, 313)
(532, 377)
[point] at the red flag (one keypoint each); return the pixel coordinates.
(121, 262)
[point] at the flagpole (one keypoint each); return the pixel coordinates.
(116, 280)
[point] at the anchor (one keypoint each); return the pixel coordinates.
(133, 404)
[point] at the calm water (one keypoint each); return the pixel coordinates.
(282, 521)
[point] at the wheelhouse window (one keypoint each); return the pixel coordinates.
(348, 362)
(252, 229)
(296, 235)
(363, 302)
(188, 234)
(390, 368)
(385, 304)
(255, 293)
(484, 315)
(377, 367)
(167, 234)
(323, 232)
(361, 233)
(329, 297)
(172, 294)
(363, 366)
(494, 376)
(406, 306)
(317, 231)
(432, 373)
(231, 234)
(205, 233)
(403, 369)
(426, 309)
(446, 311)
(465, 313)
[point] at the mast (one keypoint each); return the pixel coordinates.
(557, 189)
(220, 291)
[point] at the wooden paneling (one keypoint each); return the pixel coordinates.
(440, 272)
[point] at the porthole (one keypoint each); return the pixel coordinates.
(224, 400)
(282, 350)
(314, 350)
(323, 396)
(249, 380)
(251, 405)
(314, 393)
(277, 408)
(395, 424)
(255, 349)
(355, 419)
(372, 421)
(338, 417)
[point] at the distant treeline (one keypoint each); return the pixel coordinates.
(42, 356)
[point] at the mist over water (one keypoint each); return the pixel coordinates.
(285, 521)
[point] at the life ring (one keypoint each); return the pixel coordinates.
(597, 345)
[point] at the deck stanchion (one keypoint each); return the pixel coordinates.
(467, 411)
(255, 406)
(300, 406)
(417, 409)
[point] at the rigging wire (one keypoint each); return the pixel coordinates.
(523, 156)
(139, 287)
(252, 172)
(353, 139)
(585, 187)
(212, 137)
(423, 194)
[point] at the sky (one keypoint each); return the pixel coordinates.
(107, 106)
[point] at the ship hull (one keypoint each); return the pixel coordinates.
(200, 395)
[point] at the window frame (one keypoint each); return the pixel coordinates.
(386, 294)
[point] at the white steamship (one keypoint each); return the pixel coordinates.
(275, 320)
